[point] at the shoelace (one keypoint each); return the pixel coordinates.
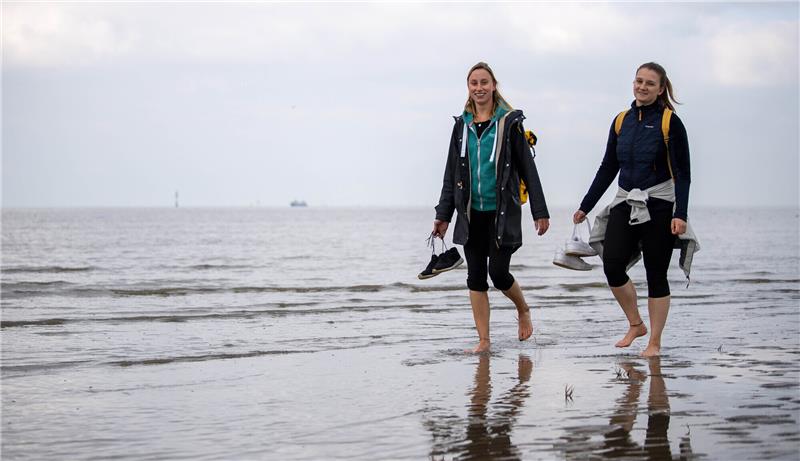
(431, 242)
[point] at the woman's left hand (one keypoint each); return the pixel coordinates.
(541, 225)
(678, 226)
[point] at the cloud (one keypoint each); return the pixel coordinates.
(77, 34)
(742, 51)
(570, 29)
(58, 34)
(45, 35)
(745, 54)
(196, 88)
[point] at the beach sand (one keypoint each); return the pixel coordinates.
(722, 396)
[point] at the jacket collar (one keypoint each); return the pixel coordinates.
(656, 106)
(498, 113)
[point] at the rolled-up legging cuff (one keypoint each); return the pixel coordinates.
(658, 288)
(504, 282)
(617, 280)
(477, 285)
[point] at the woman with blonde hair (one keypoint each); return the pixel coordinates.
(487, 158)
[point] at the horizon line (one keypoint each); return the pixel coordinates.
(328, 206)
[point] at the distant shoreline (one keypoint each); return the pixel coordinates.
(316, 207)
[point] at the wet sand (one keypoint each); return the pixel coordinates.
(725, 393)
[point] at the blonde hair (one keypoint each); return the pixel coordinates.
(497, 98)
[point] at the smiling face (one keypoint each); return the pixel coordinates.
(647, 86)
(481, 87)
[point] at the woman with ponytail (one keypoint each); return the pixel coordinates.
(650, 209)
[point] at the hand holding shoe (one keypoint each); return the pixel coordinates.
(440, 228)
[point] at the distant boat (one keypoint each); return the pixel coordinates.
(298, 203)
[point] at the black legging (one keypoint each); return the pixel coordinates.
(656, 238)
(480, 246)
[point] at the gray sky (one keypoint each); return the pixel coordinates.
(122, 104)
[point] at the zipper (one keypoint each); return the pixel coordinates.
(464, 140)
(491, 158)
(635, 136)
(497, 180)
(472, 127)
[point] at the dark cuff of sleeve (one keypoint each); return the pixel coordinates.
(441, 216)
(585, 207)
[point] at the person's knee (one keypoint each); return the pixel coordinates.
(657, 287)
(615, 273)
(502, 280)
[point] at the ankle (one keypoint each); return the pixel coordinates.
(637, 325)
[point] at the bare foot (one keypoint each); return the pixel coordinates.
(651, 351)
(525, 325)
(482, 346)
(633, 333)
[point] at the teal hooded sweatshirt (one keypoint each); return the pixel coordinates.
(482, 157)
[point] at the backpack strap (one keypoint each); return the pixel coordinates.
(618, 121)
(666, 117)
(501, 125)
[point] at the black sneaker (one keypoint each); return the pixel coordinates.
(448, 260)
(428, 272)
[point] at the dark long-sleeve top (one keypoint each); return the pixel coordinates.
(639, 155)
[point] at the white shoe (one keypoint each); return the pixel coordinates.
(577, 247)
(566, 261)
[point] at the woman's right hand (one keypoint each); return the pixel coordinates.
(578, 217)
(439, 228)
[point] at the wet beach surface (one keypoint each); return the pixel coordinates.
(225, 334)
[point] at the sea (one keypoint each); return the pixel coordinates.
(305, 334)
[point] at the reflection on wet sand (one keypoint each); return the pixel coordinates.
(489, 423)
(617, 441)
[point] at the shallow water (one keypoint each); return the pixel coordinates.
(304, 334)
